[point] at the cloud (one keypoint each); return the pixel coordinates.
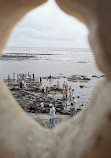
(48, 26)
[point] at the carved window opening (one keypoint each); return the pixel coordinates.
(82, 82)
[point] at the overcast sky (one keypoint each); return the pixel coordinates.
(48, 26)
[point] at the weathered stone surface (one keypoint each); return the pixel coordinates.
(95, 14)
(89, 134)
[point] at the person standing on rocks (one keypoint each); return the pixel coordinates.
(9, 78)
(42, 90)
(54, 94)
(25, 84)
(33, 77)
(70, 93)
(50, 76)
(28, 75)
(66, 93)
(21, 84)
(40, 79)
(46, 90)
(13, 76)
(63, 85)
(58, 84)
(67, 104)
(63, 93)
(25, 76)
(17, 77)
(52, 115)
(42, 105)
(69, 88)
(66, 86)
(72, 109)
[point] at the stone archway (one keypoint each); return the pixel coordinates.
(87, 135)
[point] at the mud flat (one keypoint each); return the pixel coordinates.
(16, 56)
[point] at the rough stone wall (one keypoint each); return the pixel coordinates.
(88, 135)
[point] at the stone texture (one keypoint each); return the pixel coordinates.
(89, 134)
(11, 12)
(95, 14)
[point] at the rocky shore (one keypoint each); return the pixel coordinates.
(30, 96)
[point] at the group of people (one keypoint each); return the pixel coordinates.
(44, 89)
(53, 110)
(21, 76)
(68, 96)
(67, 93)
(52, 113)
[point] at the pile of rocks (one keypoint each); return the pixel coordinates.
(30, 97)
(80, 78)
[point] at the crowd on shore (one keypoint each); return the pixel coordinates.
(67, 92)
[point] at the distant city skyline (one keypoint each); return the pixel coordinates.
(49, 27)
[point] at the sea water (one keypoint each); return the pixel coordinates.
(55, 62)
